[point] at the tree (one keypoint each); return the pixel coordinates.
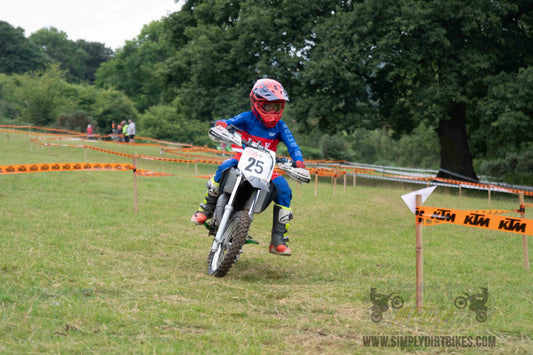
(224, 46)
(37, 96)
(414, 61)
(135, 68)
(505, 115)
(94, 55)
(78, 59)
(17, 54)
(112, 105)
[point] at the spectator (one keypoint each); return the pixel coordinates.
(90, 132)
(125, 131)
(118, 132)
(131, 131)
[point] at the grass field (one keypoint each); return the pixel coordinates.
(80, 272)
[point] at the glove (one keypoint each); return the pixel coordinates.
(298, 164)
(221, 124)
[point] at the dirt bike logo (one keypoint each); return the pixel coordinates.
(477, 303)
(380, 304)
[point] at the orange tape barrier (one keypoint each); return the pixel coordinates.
(62, 131)
(150, 173)
(40, 168)
(41, 134)
(485, 219)
(460, 183)
(186, 150)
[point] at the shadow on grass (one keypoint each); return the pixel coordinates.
(259, 270)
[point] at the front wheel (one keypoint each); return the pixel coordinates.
(233, 238)
(460, 302)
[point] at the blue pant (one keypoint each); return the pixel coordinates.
(284, 192)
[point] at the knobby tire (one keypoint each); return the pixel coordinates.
(234, 238)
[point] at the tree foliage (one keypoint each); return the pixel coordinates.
(17, 54)
(403, 63)
(368, 80)
(164, 122)
(135, 68)
(46, 98)
(79, 59)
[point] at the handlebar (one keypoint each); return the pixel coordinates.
(227, 135)
(284, 160)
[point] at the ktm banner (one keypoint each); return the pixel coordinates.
(484, 219)
(38, 168)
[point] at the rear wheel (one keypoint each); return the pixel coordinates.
(234, 237)
(397, 302)
(481, 316)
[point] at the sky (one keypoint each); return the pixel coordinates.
(111, 22)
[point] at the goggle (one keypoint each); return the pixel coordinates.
(273, 106)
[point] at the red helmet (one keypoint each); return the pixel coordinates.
(268, 99)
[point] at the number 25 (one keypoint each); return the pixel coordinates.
(258, 164)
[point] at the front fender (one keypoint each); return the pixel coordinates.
(257, 183)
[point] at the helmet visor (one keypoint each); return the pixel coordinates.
(273, 106)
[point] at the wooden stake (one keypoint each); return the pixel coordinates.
(316, 182)
(354, 179)
(134, 184)
(489, 195)
(344, 180)
(419, 258)
(524, 237)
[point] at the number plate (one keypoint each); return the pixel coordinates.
(257, 163)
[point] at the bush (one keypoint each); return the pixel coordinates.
(334, 148)
(164, 122)
(76, 121)
(515, 168)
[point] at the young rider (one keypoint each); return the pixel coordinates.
(263, 123)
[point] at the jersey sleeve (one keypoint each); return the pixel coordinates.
(288, 139)
(239, 121)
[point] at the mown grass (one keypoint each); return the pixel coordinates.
(80, 272)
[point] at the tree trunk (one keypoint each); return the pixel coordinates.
(455, 157)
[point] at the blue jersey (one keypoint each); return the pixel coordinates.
(269, 137)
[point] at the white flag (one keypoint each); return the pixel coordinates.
(410, 198)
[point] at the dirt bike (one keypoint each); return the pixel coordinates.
(381, 305)
(245, 190)
(477, 305)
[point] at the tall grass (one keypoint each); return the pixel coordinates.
(80, 272)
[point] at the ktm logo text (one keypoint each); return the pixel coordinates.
(475, 219)
(511, 224)
(443, 215)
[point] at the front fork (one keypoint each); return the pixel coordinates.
(228, 209)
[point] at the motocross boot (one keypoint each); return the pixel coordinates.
(205, 211)
(278, 243)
